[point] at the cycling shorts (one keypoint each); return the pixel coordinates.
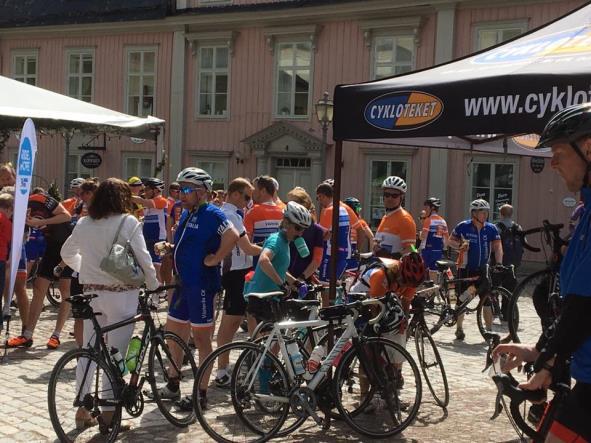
(35, 249)
(571, 422)
(324, 269)
(51, 258)
(430, 258)
(150, 245)
(191, 304)
(233, 283)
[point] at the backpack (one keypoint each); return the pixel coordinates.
(512, 243)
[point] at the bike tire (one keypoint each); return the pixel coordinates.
(498, 301)
(53, 295)
(387, 383)
(525, 323)
(422, 334)
(436, 310)
(223, 425)
(65, 370)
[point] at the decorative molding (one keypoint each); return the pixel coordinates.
(195, 152)
(310, 32)
(260, 141)
(396, 26)
(197, 38)
(387, 150)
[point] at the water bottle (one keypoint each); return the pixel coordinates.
(318, 353)
(133, 351)
(265, 374)
(339, 299)
(295, 356)
(301, 247)
(117, 358)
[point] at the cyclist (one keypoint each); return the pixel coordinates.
(271, 270)
(276, 198)
(475, 238)
(72, 202)
(137, 189)
(568, 134)
(155, 206)
(265, 216)
(347, 221)
(358, 239)
(396, 234)
(434, 235)
(203, 239)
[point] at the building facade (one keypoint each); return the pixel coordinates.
(237, 80)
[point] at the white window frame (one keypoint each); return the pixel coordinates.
(294, 41)
(79, 52)
(214, 71)
(27, 53)
(125, 156)
(498, 26)
(77, 169)
(369, 159)
(492, 160)
(197, 160)
(394, 36)
(141, 49)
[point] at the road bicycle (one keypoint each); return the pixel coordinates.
(370, 394)
(91, 377)
(536, 299)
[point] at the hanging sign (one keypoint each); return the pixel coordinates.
(91, 160)
(537, 164)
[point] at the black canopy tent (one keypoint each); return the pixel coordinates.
(485, 102)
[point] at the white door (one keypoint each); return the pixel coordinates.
(290, 178)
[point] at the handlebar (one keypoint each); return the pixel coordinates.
(551, 232)
(509, 387)
(147, 292)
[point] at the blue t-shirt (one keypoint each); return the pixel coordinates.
(574, 280)
(199, 234)
(260, 282)
(480, 241)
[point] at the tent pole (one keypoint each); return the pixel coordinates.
(336, 198)
(68, 138)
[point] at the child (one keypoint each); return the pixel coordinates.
(6, 207)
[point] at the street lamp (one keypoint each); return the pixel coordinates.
(324, 113)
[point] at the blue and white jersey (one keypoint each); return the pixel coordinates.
(478, 253)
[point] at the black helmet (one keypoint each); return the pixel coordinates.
(353, 203)
(570, 124)
(434, 202)
(153, 182)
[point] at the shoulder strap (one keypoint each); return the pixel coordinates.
(133, 233)
(119, 230)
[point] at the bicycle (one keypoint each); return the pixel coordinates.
(100, 383)
(265, 386)
(536, 299)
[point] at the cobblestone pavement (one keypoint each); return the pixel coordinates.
(25, 375)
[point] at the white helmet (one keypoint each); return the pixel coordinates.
(297, 214)
(76, 182)
(275, 183)
(329, 181)
(478, 204)
(196, 176)
(394, 182)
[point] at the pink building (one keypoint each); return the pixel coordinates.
(236, 81)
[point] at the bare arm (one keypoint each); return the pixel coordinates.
(267, 267)
(498, 250)
(146, 203)
(248, 247)
(60, 215)
(229, 239)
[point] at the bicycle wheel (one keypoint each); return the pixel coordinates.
(79, 379)
(431, 366)
(529, 305)
(53, 295)
(385, 401)
(492, 315)
(437, 310)
(170, 361)
(239, 413)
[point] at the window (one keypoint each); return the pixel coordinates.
(378, 171)
(293, 74)
(492, 34)
(213, 81)
(393, 55)
(218, 169)
(80, 77)
(24, 67)
(138, 165)
(75, 168)
(495, 183)
(141, 81)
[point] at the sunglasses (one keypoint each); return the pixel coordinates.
(392, 195)
(188, 190)
(298, 228)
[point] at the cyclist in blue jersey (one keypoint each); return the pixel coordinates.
(204, 237)
(568, 134)
(434, 235)
(475, 238)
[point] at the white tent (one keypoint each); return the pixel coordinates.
(55, 112)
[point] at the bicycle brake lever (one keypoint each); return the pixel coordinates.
(498, 404)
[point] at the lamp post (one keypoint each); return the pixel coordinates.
(324, 113)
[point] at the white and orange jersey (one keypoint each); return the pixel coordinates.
(396, 231)
(348, 221)
(262, 221)
(155, 219)
(435, 233)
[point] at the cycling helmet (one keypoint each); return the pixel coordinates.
(297, 214)
(353, 203)
(153, 182)
(329, 181)
(133, 181)
(76, 182)
(412, 269)
(393, 318)
(394, 182)
(434, 202)
(275, 183)
(479, 204)
(196, 176)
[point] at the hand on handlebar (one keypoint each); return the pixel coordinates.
(517, 354)
(540, 380)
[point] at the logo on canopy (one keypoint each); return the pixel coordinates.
(564, 43)
(527, 141)
(403, 110)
